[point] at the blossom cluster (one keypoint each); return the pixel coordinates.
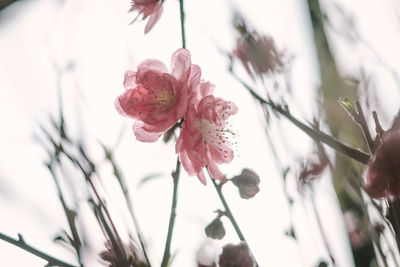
(158, 99)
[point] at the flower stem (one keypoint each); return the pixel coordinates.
(182, 14)
(228, 212)
(21, 244)
(317, 135)
(167, 253)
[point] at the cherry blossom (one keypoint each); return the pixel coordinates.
(204, 138)
(149, 8)
(157, 99)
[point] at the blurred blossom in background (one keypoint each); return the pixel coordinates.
(71, 55)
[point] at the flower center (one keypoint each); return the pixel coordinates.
(213, 133)
(165, 99)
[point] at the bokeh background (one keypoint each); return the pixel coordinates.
(76, 53)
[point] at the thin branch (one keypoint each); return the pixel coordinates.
(182, 14)
(363, 124)
(21, 244)
(228, 212)
(124, 188)
(175, 175)
(317, 135)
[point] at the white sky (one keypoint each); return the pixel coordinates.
(96, 37)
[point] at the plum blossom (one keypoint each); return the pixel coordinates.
(259, 54)
(149, 8)
(157, 99)
(203, 141)
(382, 176)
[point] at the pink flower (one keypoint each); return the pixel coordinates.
(382, 177)
(157, 99)
(152, 8)
(203, 141)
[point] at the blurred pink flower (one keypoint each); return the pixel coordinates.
(149, 8)
(382, 177)
(259, 54)
(203, 141)
(157, 99)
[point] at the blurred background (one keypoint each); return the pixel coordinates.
(71, 55)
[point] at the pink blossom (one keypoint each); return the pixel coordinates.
(157, 99)
(259, 54)
(203, 141)
(382, 177)
(149, 8)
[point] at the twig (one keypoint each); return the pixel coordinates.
(363, 124)
(175, 175)
(182, 15)
(317, 135)
(23, 245)
(228, 212)
(125, 191)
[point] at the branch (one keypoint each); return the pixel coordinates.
(21, 244)
(175, 176)
(317, 135)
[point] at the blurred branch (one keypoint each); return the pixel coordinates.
(23, 245)
(313, 133)
(5, 3)
(124, 188)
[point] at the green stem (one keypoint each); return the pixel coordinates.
(167, 253)
(317, 135)
(182, 14)
(228, 212)
(21, 244)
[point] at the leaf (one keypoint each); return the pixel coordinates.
(148, 178)
(348, 106)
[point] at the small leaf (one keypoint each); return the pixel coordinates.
(348, 106)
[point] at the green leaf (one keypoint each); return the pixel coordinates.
(348, 106)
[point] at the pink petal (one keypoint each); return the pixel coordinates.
(180, 64)
(187, 163)
(206, 88)
(142, 134)
(151, 64)
(145, 2)
(194, 76)
(130, 80)
(147, 10)
(155, 16)
(202, 178)
(215, 172)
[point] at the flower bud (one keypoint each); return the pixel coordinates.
(236, 256)
(215, 229)
(247, 183)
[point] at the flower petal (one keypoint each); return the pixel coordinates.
(130, 80)
(180, 64)
(155, 16)
(144, 135)
(215, 172)
(151, 64)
